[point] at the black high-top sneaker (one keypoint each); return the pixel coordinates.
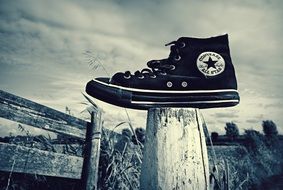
(198, 73)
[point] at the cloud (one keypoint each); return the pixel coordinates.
(226, 115)
(252, 121)
(274, 105)
(43, 44)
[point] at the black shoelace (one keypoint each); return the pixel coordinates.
(160, 67)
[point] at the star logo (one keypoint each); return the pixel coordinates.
(210, 63)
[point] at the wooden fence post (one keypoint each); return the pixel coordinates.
(92, 151)
(175, 154)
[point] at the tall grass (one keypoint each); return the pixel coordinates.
(120, 162)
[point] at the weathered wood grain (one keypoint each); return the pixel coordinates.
(92, 153)
(27, 112)
(33, 161)
(175, 154)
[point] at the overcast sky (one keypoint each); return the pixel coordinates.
(45, 48)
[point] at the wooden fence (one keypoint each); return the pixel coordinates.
(21, 159)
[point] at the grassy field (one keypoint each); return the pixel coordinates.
(255, 165)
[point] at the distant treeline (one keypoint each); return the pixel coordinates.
(232, 136)
(225, 140)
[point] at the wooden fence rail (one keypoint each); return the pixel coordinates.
(21, 159)
(30, 113)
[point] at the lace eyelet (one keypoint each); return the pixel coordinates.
(153, 76)
(173, 67)
(169, 84)
(177, 58)
(184, 84)
(163, 73)
(183, 44)
(127, 77)
(141, 77)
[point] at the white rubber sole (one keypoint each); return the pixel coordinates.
(146, 98)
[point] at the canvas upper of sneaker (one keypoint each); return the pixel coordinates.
(193, 63)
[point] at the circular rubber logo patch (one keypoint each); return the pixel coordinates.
(210, 63)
